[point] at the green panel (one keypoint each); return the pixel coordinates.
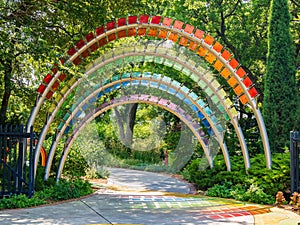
(128, 59)
(119, 63)
(177, 66)
(215, 99)
(126, 75)
(168, 63)
(202, 84)
(136, 74)
(61, 124)
(156, 76)
(221, 108)
(66, 116)
(139, 58)
(195, 77)
(159, 60)
(115, 78)
(149, 58)
(186, 71)
(146, 74)
(209, 91)
(207, 110)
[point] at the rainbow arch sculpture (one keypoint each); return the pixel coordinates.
(157, 27)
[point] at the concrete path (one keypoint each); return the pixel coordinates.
(136, 197)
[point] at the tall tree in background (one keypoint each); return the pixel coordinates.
(280, 93)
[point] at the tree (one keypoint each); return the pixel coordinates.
(280, 92)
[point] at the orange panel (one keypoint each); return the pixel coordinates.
(141, 31)
(199, 34)
(77, 61)
(62, 77)
(247, 82)
(178, 24)
(85, 54)
(173, 37)
(210, 58)
(226, 54)
(202, 51)
(233, 63)
(163, 34)
(208, 39)
(93, 47)
(183, 41)
(112, 37)
(241, 72)
(102, 42)
(232, 81)
(238, 90)
(122, 34)
(218, 65)
(49, 95)
(131, 32)
(253, 92)
(189, 28)
(152, 32)
(193, 46)
(218, 47)
(243, 98)
(225, 73)
(55, 86)
(167, 22)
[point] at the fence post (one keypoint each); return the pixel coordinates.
(31, 164)
(294, 161)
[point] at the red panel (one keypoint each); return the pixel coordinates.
(247, 82)
(99, 30)
(85, 54)
(132, 19)
(47, 78)
(199, 34)
(178, 24)
(188, 28)
(241, 72)
(155, 19)
(62, 61)
(49, 95)
(41, 89)
(55, 86)
(71, 51)
(233, 63)
(121, 22)
(111, 25)
(122, 34)
(62, 77)
(94, 47)
(77, 61)
(80, 44)
(226, 54)
(253, 92)
(144, 18)
(167, 22)
(89, 37)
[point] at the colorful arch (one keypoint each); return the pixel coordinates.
(185, 35)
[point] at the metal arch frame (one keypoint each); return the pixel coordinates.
(189, 36)
(96, 91)
(233, 120)
(100, 111)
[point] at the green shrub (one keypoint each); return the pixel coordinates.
(20, 201)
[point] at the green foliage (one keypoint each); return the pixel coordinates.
(281, 99)
(20, 201)
(258, 185)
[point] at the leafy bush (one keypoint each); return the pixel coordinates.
(20, 201)
(258, 184)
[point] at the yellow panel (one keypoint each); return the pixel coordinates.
(209, 77)
(215, 84)
(228, 102)
(233, 112)
(52, 107)
(58, 97)
(64, 90)
(72, 81)
(222, 93)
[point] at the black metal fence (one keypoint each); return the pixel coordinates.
(16, 160)
(294, 162)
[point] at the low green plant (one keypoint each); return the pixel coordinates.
(20, 201)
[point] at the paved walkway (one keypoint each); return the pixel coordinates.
(136, 197)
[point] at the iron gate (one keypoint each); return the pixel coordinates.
(294, 161)
(16, 160)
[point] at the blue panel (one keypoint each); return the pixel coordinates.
(154, 84)
(85, 106)
(179, 95)
(205, 123)
(147, 74)
(176, 83)
(200, 115)
(201, 103)
(135, 82)
(193, 95)
(172, 91)
(163, 87)
(92, 100)
(185, 89)
(67, 129)
(208, 110)
(194, 108)
(126, 83)
(99, 94)
(145, 82)
(187, 101)
(136, 74)
(116, 86)
(78, 113)
(107, 90)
